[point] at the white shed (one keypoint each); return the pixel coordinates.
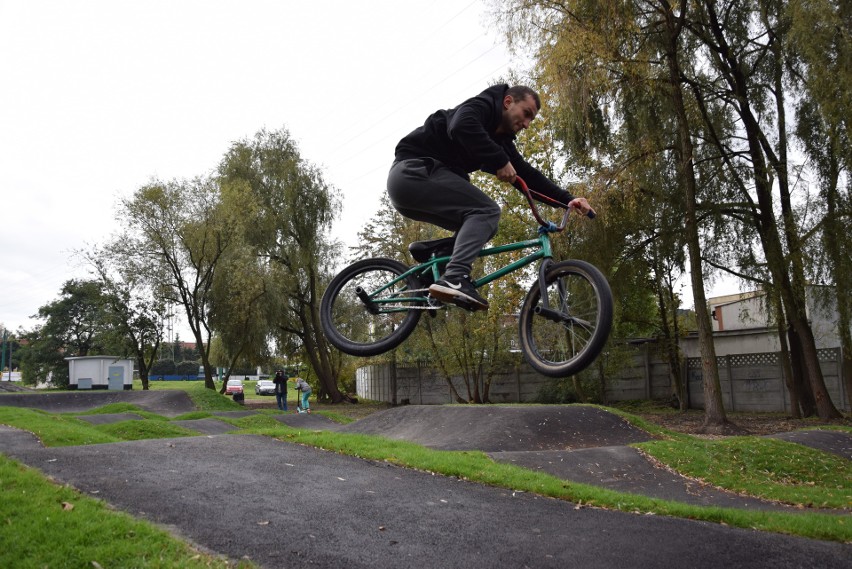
(100, 372)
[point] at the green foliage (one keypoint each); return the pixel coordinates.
(164, 367)
(280, 206)
(187, 368)
(76, 324)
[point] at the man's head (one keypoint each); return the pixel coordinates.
(520, 106)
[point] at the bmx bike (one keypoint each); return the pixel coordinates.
(373, 305)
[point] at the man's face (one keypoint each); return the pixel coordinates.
(517, 115)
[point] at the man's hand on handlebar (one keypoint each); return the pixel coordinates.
(507, 173)
(582, 205)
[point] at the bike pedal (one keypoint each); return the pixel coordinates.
(470, 307)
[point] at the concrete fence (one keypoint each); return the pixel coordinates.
(750, 382)
(755, 382)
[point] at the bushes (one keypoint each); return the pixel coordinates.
(168, 367)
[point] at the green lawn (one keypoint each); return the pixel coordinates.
(756, 466)
(44, 524)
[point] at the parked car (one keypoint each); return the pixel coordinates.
(264, 387)
(234, 386)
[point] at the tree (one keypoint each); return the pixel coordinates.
(285, 209)
(76, 324)
(705, 88)
(240, 308)
(10, 356)
(616, 85)
(745, 48)
(176, 230)
(132, 306)
(820, 37)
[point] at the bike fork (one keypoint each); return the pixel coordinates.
(543, 309)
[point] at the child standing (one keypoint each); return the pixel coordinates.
(305, 389)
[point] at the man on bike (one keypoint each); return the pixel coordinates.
(429, 178)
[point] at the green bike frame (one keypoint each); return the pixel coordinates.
(541, 245)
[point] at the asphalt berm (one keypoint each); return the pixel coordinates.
(285, 505)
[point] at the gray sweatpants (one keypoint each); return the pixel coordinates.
(425, 190)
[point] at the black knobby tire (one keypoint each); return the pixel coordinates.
(354, 329)
(563, 344)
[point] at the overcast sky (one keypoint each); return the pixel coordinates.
(99, 97)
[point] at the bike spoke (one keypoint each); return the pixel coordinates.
(561, 335)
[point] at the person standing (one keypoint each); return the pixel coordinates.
(280, 381)
(305, 390)
(429, 180)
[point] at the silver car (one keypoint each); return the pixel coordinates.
(264, 387)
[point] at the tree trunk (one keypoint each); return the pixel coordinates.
(839, 263)
(798, 376)
(666, 307)
(715, 419)
(316, 350)
(143, 372)
(786, 365)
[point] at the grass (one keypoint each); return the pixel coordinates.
(767, 468)
(140, 430)
(112, 408)
(54, 430)
(43, 524)
(478, 467)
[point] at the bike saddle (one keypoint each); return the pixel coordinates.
(422, 251)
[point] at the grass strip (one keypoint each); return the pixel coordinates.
(766, 468)
(477, 467)
(54, 430)
(43, 524)
(142, 430)
(114, 408)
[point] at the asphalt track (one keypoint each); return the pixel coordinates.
(285, 505)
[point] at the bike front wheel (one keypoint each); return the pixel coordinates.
(565, 336)
(369, 309)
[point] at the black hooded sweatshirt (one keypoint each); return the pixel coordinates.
(464, 139)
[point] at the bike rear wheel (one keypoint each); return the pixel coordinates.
(567, 338)
(363, 314)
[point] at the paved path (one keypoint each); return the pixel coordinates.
(285, 505)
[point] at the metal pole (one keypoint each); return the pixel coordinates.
(3, 355)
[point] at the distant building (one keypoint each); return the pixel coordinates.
(100, 372)
(743, 323)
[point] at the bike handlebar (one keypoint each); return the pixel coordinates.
(522, 187)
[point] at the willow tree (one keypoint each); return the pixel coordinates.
(239, 307)
(820, 37)
(745, 49)
(285, 211)
(613, 70)
(174, 229)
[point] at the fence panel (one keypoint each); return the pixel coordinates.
(749, 382)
